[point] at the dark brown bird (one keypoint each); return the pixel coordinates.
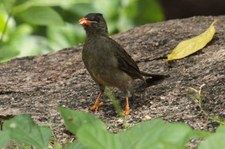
(106, 61)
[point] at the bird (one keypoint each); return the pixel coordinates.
(107, 61)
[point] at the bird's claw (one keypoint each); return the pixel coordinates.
(96, 106)
(126, 111)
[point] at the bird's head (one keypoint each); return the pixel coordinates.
(94, 23)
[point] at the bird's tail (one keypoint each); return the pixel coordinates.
(153, 79)
(154, 75)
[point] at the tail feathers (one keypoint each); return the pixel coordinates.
(154, 75)
(152, 79)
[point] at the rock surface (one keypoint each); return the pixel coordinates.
(38, 85)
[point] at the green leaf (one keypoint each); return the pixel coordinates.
(75, 119)
(220, 129)
(94, 138)
(33, 45)
(190, 46)
(60, 37)
(23, 130)
(74, 145)
(57, 145)
(7, 4)
(175, 135)
(106, 7)
(156, 134)
(21, 31)
(144, 130)
(41, 16)
(4, 135)
(215, 141)
(28, 45)
(7, 53)
(148, 11)
(200, 134)
(2, 22)
(81, 9)
(26, 4)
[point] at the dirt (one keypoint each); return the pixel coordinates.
(38, 85)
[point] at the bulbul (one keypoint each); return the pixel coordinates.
(106, 60)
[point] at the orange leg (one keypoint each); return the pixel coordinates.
(127, 108)
(97, 103)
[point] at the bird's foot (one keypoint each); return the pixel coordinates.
(96, 106)
(126, 111)
(127, 108)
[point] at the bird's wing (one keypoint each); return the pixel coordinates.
(125, 62)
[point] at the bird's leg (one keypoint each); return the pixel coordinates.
(129, 94)
(97, 103)
(127, 108)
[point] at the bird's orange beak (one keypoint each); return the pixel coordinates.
(85, 21)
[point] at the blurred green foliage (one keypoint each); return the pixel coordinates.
(34, 27)
(91, 133)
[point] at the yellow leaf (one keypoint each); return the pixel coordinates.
(190, 46)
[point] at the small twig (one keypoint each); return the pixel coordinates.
(198, 97)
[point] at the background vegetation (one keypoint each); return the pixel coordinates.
(91, 133)
(34, 27)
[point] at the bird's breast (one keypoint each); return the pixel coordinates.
(99, 58)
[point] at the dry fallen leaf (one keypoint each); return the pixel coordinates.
(190, 46)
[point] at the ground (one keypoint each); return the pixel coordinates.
(38, 85)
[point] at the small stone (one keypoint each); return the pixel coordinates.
(147, 117)
(83, 100)
(120, 120)
(162, 97)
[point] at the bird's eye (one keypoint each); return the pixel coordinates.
(96, 20)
